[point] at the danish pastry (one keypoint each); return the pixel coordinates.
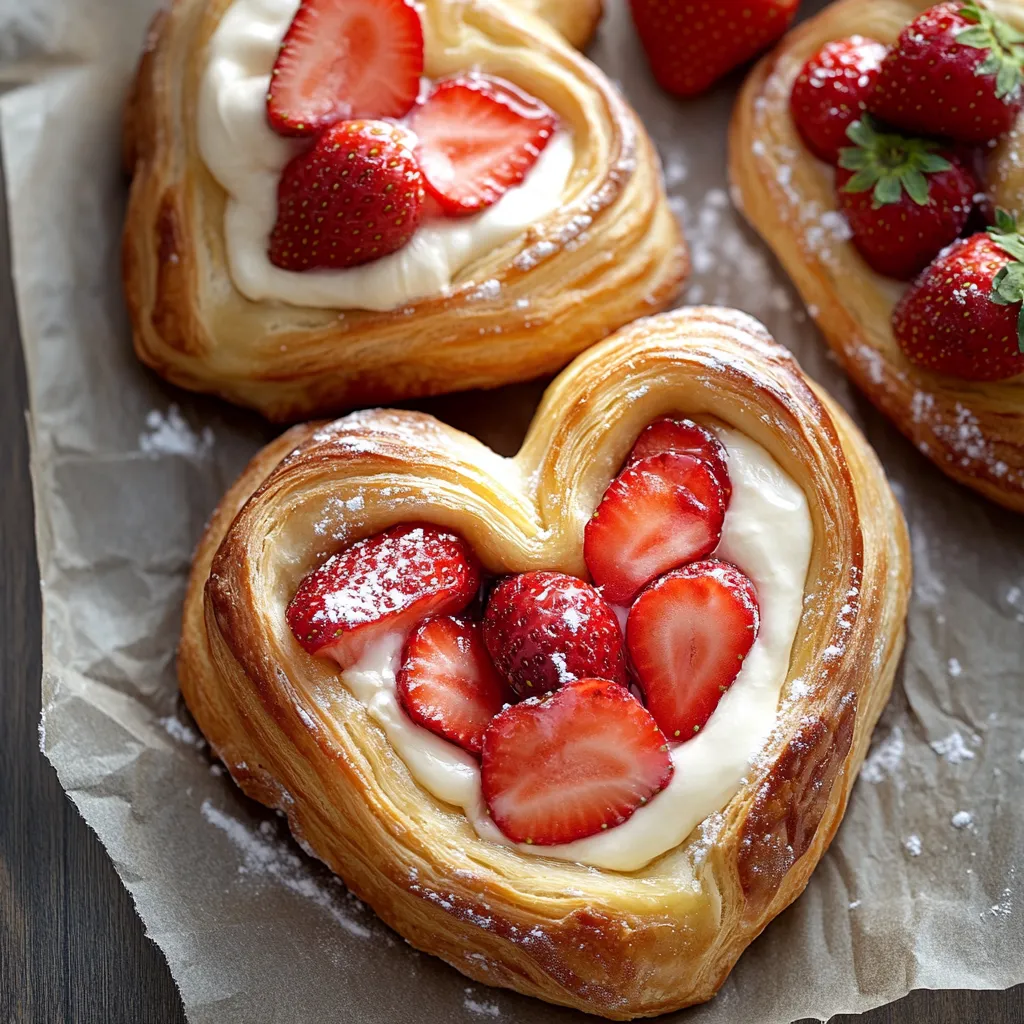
(533, 219)
(947, 376)
(483, 771)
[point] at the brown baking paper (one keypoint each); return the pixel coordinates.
(923, 886)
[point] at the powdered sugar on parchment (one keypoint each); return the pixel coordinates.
(885, 758)
(170, 434)
(953, 748)
(265, 854)
(962, 820)
(482, 1008)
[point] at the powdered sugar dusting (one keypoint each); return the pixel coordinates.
(953, 748)
(264, 854)
(480, 1007)
(729, 268)
(170, 434)
(885, 758)
(178, 730)
(962, 820)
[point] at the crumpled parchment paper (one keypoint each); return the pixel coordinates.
(923, 886)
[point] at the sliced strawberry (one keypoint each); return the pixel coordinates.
(687, 636)
(447, 682)
(572, 764)
(344, 59)
(685, 438)
(479, 136)
(355, 196)
(545, 629)
(384, 584)
(659, 513)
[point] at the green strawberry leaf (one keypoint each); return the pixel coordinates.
(890, 164)
(1008, 284)
(1005, 223)
(978, 37)
(932, 163)
(888, 191)
(863, 180)
(853, 159)
(862, 133)
(916, 185)
(1004, 56)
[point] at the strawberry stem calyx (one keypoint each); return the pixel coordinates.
(889, 164)
(1008, 285)
(1004, 47)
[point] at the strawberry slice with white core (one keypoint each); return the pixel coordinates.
(661, 512)
(478, 137)
(572, 764)
(343, 59)
(685, 438)
(447, 682)
(383, 584)
(687, 636)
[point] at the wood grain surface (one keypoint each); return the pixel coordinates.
(71, 946)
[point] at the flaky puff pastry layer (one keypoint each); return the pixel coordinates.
(610, 253)
(973, 431)
(577, 20)
(616, 944)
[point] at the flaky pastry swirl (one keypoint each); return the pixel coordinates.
(973, 431)
(616, 944)
(610, 252)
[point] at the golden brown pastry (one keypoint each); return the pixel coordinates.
(974, 431)
(576, 19)
(610, 251)
(620, 944)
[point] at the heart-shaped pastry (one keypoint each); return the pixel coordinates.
(506, 210)
(973, 429)
(576, 846)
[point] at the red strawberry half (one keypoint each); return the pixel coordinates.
(384, 584)
(356, 196)
(344, 59)
(659, 513)
(964, 316)
(692, 43)
(478, 137)
(904, 200)
(956, 71)
(830, 93)
(572, 764)
(447, 683)
(684, 437)
(687, 636)
(545, 629)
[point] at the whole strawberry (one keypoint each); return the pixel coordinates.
(544, 629)
(830, 92)
(964, 316)
(904, 201)
(356, 196)
(690, 44)
(957, 70)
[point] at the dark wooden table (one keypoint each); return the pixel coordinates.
(71, 946)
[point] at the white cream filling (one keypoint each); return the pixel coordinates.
(247, 157)
(768, 535)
